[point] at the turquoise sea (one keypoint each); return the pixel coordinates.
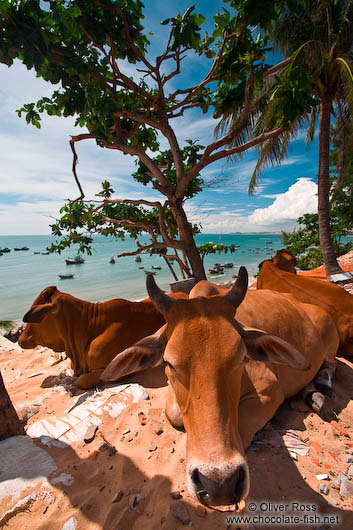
(23, 274)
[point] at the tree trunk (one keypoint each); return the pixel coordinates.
(185, 235)
(10, 425)
(326, 243)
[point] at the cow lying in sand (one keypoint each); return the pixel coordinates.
(335, 300)
(91, 334)
(228, 372)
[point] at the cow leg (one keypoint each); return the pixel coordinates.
(323, 380)
(316, 401)
(90, 380)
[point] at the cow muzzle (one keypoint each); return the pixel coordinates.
(224, 485)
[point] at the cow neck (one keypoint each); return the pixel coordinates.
(79, 325)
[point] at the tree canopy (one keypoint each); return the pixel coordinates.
(83, 47)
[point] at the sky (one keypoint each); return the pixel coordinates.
(35, 165)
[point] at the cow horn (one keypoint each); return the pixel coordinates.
(238, 291)
(160, 300)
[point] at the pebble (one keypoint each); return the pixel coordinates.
(180, 512)
(324, 489)
(90, 434)
(118, 496)
(158, 432)
(70, 524)
(135, 500)
(322, 476)
(176, 495)
(346, 487)
(153, 448)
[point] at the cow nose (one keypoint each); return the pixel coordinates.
(222, 491)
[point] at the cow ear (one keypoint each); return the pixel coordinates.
(37, 313)
(263, 347)
(146, 353)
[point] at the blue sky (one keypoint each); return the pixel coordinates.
(35, 165)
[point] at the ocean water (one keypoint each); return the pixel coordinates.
(23, 275)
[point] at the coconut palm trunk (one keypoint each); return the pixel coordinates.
(10, 425)
(326, 243)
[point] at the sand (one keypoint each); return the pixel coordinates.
(139, 453)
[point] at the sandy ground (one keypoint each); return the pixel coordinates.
(142, 454)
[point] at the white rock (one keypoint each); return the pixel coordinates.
(64, 478)
(70, 524)
(322, 476)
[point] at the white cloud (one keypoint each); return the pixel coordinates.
(299, 199)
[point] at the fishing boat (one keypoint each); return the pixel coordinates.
(66, 276)
(37, 252)
(228, 265)
(45, 253)
(3, 250)
(141, 267)
(138, 259)
(22, 248)
(215, 270)
(76, 261)
(149, 272)
(158, 267)
(112, 260)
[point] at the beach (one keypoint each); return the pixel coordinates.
(108, 459)
(130, 475)
(23, 274)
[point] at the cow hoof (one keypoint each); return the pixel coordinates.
(316, 401)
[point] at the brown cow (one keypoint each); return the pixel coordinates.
(91, 334)
(229, 375)
(335, 300)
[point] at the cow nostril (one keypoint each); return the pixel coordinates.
(228, 490)
(201, 492)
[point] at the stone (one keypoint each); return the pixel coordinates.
(180, 512)
(322, 476)
(142, 418)
(135, 500)
(64, 478)
(126, 431)
(158, 432)
(176, 495)
(346, 488)
(70, 524)
(14, 333)
(153, 448)
(118, 496)
(324, 489)
(350, 471)
(349, 459)
(90, 434)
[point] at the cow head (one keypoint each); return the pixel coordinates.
(204, 349)
(41, 321)
(284, 260)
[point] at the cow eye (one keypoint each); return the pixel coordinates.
(169, 365)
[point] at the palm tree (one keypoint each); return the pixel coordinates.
(317, 35)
